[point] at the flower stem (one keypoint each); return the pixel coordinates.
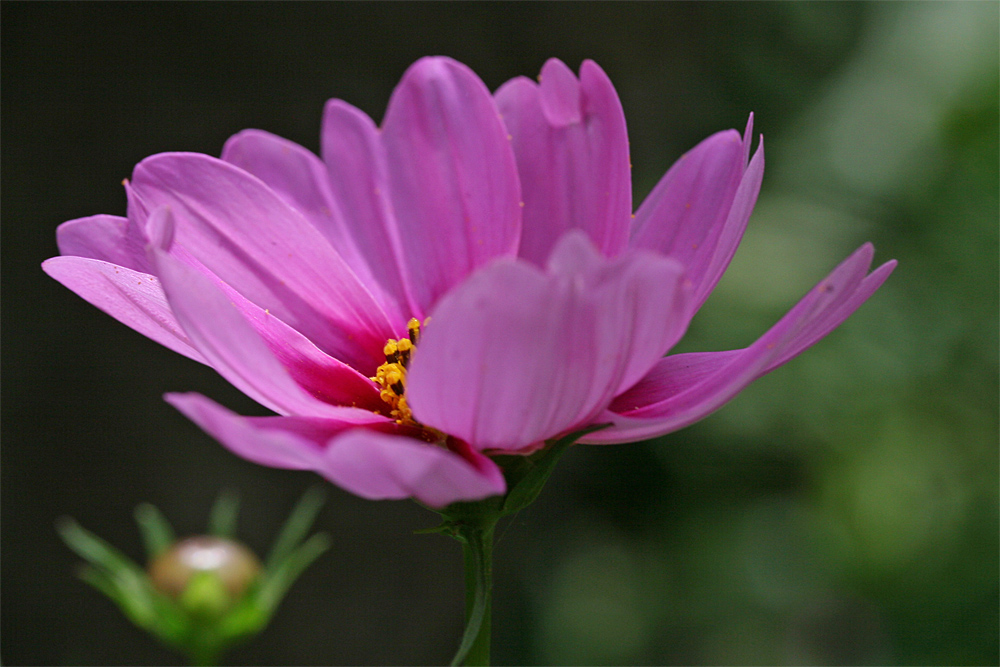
(477, 549)
(204, 657)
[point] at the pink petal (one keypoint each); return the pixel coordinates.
(251, 239)
(287, 168)
(358, 176)
(278, 442)
(377, 461)
(559, 94)
(748, 138)
(571, 145)
(109, 238)
(454, 184)
(514, 356)
(722, 241)
(685, 388)
(131, 297)
(379, 466)
(272, 447)
(687, 212)
(820, 327)
(640, 300)
(328, 379)
(301, 179)
(219, 331)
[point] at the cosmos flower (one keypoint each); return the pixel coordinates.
(466, 280)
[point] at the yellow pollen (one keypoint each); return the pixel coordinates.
(391, 376)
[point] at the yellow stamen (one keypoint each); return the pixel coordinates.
(403, 350)
(391, 376)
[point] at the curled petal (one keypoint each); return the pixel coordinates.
(514, 356)
(571, 146)
(720, 244)
(818, 327)
(454, 184)
(109, 238)
(134, 298)
(500, 345)
(748, 138)
(687, 216)
(560, 94)
(685, 388)
(326, 378)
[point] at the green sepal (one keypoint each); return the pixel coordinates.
(280, 578)
(297, 525)
(111, 572)
(224, 516)
(157, 533)
(476, 515)
(525, 477)
(205, 597)
(125, 583)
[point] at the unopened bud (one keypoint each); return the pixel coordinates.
(198, 568)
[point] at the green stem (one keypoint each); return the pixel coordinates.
(477, 549)
(204, 657)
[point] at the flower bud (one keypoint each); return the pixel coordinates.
(204, 573)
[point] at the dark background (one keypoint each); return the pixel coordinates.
(841, 511)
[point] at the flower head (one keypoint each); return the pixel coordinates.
(467, 279)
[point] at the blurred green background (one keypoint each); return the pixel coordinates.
(843, 510)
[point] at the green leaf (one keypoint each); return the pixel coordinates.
(157, 533)
(224, 515)
(296, 527)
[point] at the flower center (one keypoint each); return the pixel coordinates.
(391, 375)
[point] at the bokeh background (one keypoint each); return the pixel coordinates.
(843, 510)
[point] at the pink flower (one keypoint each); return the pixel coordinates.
(502, 223)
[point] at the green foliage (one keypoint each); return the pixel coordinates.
(842, 510)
